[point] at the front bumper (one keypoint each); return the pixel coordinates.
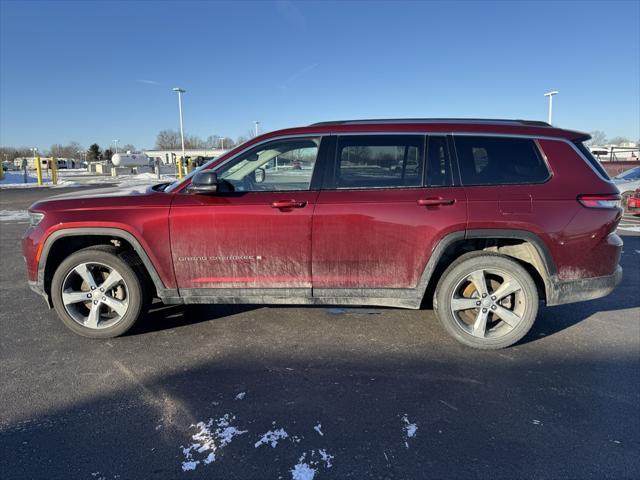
(571, 291)
(37, 287)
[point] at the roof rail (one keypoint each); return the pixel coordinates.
(536, 123)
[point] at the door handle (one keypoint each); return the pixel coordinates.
(428, 202)
(288, 204)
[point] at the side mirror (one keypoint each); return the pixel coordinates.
(204, 182)
(258, 175)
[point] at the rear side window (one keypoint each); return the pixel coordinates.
(499, 161)
(592, 161)
(379, 161)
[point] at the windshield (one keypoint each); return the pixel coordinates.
(629, 175)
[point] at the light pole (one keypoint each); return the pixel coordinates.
(180, 91)
(550, 95)
(257, 123)
(115, 143)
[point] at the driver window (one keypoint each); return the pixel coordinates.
(281, 165)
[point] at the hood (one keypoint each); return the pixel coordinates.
(82, 194)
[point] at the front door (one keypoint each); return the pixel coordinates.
(255, 232)
(381, 215)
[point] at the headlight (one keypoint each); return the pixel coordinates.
(35, 218)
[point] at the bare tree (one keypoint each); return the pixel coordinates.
(127, 147)
(168, 140)
(65, 151)
(193, 141)
(598, 137)
(618, 140)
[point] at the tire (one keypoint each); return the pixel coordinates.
(493, 321)
(91, 312)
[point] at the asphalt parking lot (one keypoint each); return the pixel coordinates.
(347, 393)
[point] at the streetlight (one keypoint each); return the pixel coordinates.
(180, 91)
(115, 142)
(550, 95)
(257, 123)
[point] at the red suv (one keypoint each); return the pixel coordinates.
(483, 218)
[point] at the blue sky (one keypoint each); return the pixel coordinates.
(94, 71)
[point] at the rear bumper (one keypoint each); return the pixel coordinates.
(571, 291)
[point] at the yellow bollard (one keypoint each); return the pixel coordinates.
(180, 167)
(39, 170)
(54, 170)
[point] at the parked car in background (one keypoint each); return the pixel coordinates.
(481, 218)
(627, 182)
(633, 203)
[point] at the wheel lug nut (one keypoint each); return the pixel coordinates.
(493, 297)
(104, 298)
(484, 295)
(88, 295)
(95, 302)
(478, 303)
(493, 307)
(102, 290)
(484, 310)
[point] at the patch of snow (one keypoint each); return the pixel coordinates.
(16, 180)
(629, 227)
(14, 216)
(410, 429)
(302, 470)
(241, 395)
(326, 458)
(211, 437)
(272, 437)
(306, 470)
(317, 428)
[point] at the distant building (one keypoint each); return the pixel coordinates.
(168, 157)
(44, 163)
(616, 153)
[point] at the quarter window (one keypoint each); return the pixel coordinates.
(379, 161)
(497, 161)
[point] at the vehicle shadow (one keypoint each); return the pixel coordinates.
(163, 317)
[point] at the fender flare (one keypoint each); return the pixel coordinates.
(118, 233)
(461, 235)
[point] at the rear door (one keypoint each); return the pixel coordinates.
(380, 214)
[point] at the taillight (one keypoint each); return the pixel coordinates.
(600, 201)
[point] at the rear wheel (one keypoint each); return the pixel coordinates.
(486, 300)
(96, 294)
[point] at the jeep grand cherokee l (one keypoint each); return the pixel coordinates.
(482, 218)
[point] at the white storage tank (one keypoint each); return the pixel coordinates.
(130, 160)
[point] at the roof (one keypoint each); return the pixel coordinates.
(466, 121)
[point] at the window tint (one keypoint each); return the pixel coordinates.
(371, 161)
(594, 163)
(496, 160)
(282, 165)
(438, 165)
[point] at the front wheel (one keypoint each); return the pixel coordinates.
(96, 294)
(486, 301)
